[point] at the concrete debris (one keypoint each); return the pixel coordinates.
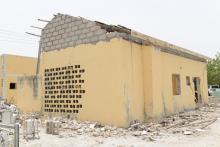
(200, 130)
(187, 133)
(6, 139)
(8, 106)
(186, 123)
(31, 129)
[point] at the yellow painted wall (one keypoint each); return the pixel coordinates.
(125, 81)
(29, 94)
(15, 67)
(104, 76)
(159, 94)
(133, 80)
(185, 67)
(20, 65)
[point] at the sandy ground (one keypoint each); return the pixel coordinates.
(209, 137)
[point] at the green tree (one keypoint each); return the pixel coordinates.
(214, 70)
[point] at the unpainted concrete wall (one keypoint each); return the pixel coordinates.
(67, 31)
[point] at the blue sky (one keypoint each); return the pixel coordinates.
(193, 24)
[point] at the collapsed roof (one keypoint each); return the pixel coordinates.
(67, 31)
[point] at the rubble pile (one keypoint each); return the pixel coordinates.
(190, 122)
(186, 123)
(96, 129)
(7, 106)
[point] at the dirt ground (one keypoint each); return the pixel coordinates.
(201, 130)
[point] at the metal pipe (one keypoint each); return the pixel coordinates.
(16, 135)
(3, 78)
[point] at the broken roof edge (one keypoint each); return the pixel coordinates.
(140, 38)
(164, 44)
(164, 49)
(143, 39)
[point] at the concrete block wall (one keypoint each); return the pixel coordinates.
(67, 31)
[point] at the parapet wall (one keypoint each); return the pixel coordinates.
(67, 31)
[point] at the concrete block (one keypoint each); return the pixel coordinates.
(58, 46)
(46, 40)
(61, 31)
(74, 38)
(52, 29)
(68, 29)
(55, 42)
(100, 32)
(94, 28)
(94, 39)
(49, 44)
(123, 35)
(53, 47)
(46, 48)
(45, 31)
(64, 26)
(78, 18)
(91, 24)
(71, 24)
(112, 35)
(78, 42)
(49, 35)
(77, 32)
(58, 36)
(82, 36)
(55, 23)
(62, 22)
(82, 26)
(52, 38)
(65, 35)
(90, 34)
(64, 45)
(71, 44)
(42, 45)
(58, 28)
(85, 21)
(86, 40)
(85, 30)
(71, 34)
(74, 28)
(73, 18)
(68, 39)
(61, 41)
(55, 33)
(78, 22)
(102, 37)
(68, 20)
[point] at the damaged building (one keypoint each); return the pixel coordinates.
(115, 75)
(104, 73)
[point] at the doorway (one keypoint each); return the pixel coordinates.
(197, 90)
